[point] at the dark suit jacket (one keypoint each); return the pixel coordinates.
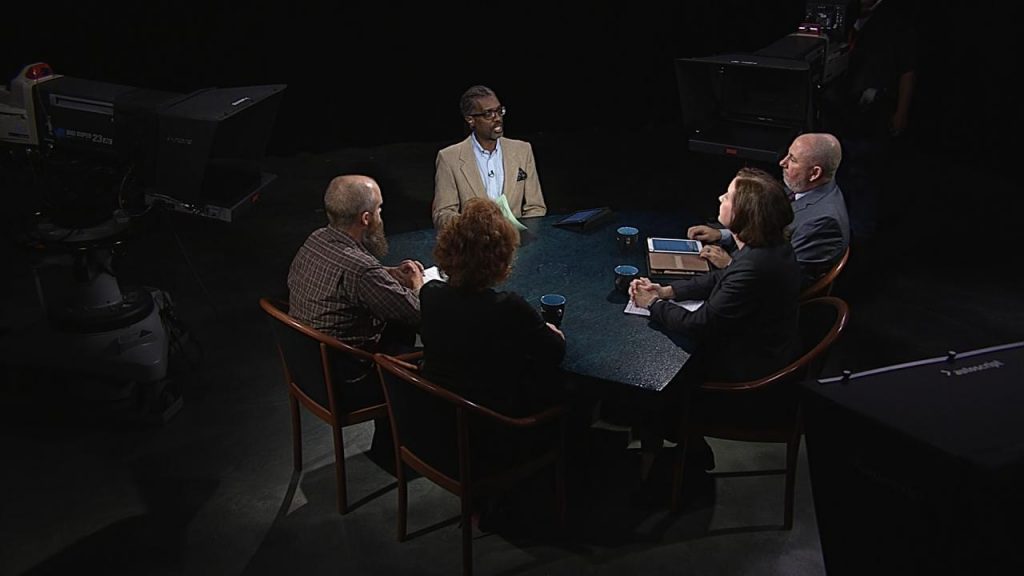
(821, 230)
(748, 326)
(491, 347)
(457, 179)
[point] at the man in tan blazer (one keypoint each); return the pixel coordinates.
(486, 164)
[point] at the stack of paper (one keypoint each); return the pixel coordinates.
(690, 305)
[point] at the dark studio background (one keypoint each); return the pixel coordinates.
(365, 73)
(369, 73)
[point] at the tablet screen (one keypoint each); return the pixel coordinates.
(581, 216)
(675, 245)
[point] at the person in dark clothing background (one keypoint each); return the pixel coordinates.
(869, 106)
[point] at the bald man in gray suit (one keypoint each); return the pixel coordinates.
(486, 164)
(821, 226)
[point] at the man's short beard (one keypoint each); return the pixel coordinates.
(801, 186)
(375, 242)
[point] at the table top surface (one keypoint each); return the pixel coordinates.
(602, 341)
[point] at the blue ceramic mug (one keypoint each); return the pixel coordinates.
(625, 274)
(552, 308)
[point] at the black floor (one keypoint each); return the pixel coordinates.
(88, 488)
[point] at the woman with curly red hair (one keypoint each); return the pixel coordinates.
(491, 346)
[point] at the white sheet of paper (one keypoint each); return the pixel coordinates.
(690, 305)
(432, 273)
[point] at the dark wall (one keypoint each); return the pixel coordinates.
(372, 72)
(364, 73)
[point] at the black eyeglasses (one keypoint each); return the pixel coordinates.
(491, 114)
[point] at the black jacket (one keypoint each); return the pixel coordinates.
(748, 326)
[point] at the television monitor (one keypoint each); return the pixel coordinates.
(744, 105)
(212, 142)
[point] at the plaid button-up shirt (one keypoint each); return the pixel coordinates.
(339, 288)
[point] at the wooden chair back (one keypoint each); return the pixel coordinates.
(823, 286)
(463, 446)
(336, 382)
(766, 409)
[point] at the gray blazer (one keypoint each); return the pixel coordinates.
(457, 179)
(821, 230)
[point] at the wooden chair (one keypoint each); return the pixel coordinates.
(437, 433)
(767, 409)
(823, 286)
(334, 381)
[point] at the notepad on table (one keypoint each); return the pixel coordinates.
(667, 264)
(690, 305)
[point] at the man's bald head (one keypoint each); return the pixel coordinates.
(349, 197)
(823, 150)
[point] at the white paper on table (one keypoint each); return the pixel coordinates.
(432, 273)
(690, 305)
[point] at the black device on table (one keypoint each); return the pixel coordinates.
(585, 219)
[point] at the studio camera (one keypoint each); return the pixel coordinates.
(199, 152)
(84, 163)
(752, 105)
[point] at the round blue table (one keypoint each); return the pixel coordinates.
(602, 341)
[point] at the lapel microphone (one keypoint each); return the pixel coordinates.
(490, 174)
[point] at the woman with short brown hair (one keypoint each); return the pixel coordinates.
(747, 327)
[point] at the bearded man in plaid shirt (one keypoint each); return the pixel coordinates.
(338, 285)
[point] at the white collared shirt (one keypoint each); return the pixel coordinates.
(492, 171)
